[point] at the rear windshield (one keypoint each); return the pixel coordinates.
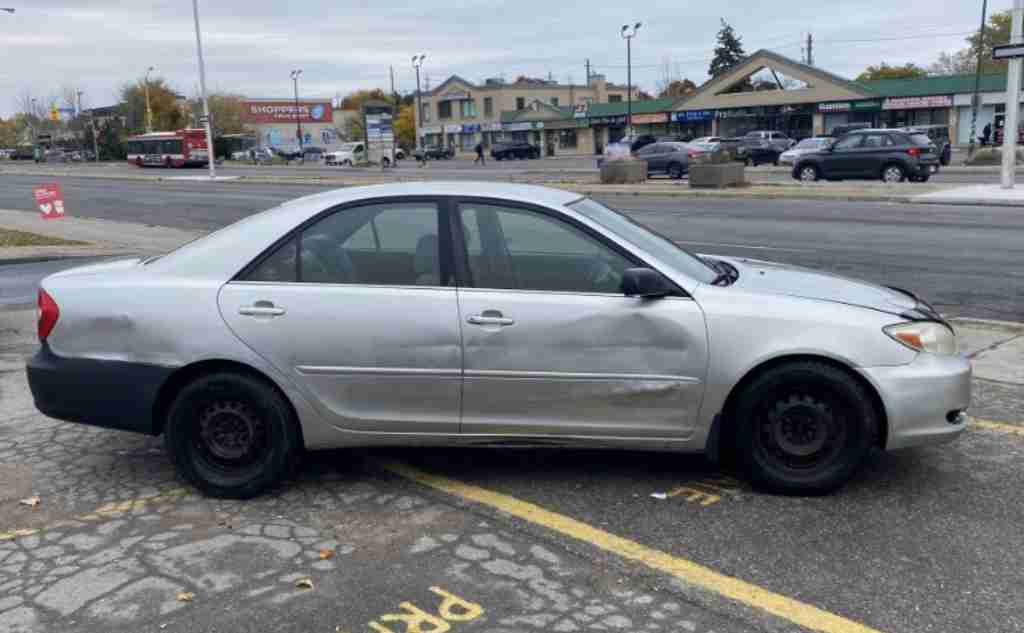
(921, 140)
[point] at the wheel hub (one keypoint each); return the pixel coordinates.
(800, 426)
(228, 430)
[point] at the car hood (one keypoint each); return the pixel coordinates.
(782, 279)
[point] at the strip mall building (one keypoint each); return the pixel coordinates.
(800, 100)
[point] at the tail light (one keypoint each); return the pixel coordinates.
(914, 151)
(48, 314)
(693, 154)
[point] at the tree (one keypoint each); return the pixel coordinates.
(966, 60)
(729, 51)
(405, 126)
(226, 111)
(168, 111)
(960, 62)
(355, 101)
(677, 88)
(8, 133)
(885, 71)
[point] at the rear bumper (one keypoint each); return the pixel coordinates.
(110, 394)
(919, 396)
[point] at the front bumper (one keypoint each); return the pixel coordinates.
(919, 396)
(111, 394)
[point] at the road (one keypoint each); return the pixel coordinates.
(969, 261)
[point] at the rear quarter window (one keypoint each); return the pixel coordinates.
(921, 140)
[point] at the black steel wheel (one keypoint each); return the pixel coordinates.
(804, 427)
(231, 435)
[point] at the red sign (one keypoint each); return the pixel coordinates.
(50, 200)
(285, 112)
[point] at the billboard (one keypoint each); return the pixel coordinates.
(285, 112)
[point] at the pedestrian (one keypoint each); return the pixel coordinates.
(479, 154)
(986, 134)
(252, 155)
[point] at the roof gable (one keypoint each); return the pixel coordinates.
(819, 85)
(452, 82)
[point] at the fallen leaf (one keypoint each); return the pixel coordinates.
(326, 553)
(304, 583)
(185, 596)
(30, 502)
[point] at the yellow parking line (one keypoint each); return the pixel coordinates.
(101, 512)
(1001, 427)
(797, 612)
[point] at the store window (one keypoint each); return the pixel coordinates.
(554, 101)
(444, 110)
(567, 139)
(467, 109)
(614, 98)
(520, 103)
(488, 106)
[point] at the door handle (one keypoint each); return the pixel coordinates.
(261, 308)
(490, 317)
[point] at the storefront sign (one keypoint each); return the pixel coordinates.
(50, 200)
(915, 103)
(693, 115)
(608, 120)
(523, 126)
(843, 106)
(454, 96)
(286, 112)
(658, 117)
(866, 106)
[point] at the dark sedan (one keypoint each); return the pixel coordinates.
(672, 159)
(508, 151)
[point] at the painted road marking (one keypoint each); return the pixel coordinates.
(1000, 427)
(452, 609)
(102, 512)
(794, 611)
(694, 495)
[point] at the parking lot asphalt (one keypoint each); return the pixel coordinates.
(430, 541)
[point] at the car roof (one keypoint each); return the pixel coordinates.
(223, 253)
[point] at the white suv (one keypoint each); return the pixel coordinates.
(348, 154)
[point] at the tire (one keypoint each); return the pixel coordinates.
(893, 173)
(228, 467)
(775, 162)
(747, 162)
(346, 163)
(808, 173)
(804, 427)
(675, 170)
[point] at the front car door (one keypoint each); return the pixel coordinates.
(654, 156)
(843, 158)
(359, 308)
(552, 348)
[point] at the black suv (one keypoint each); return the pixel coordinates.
(891, 155)
(508, 151)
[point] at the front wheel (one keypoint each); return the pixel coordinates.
(808, 173)
(231, 435)
(804, 427)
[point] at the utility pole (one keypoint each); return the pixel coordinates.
(394, 116)
(202, 87)
(628, 34)
(149, 112)
(417, 61)
(1012, 98)
(588, 72)
(810, 49)
(298, 123)
(976, 99)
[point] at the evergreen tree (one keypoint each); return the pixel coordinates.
(729, 51)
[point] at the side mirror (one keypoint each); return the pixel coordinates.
(645, 283)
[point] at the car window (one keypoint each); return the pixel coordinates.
(876, 140)
(528, 250)
(379, 244)
(921, 140)
(647, 150)
(849, 142)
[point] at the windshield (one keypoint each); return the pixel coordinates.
(348, 147)
(811, 143)
(642, 237)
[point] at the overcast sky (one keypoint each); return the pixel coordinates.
(251, 45)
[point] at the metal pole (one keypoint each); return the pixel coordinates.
(396, 108)
(202, 89)
(629, 87)
(298, 121)
(1012, 99)
(976, 99)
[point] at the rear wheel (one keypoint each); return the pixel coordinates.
(231, 435)
(808, 173)
(893, 173)
(804, 427)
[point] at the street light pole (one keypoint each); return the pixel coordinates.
(1012, 98)
(298, 123)
(976, 98)
(202, 88)
(417, 61)
(149, 112)
(628, 33)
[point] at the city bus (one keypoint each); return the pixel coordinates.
(181, 148)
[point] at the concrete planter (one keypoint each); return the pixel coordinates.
(717, 176)
(624, 172)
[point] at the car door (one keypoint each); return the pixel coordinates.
(842, 160)
(871, 154)
(551, 346)
(653, 154)
(359, 308)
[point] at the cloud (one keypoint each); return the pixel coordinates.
(252, 45)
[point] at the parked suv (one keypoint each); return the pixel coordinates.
(508, 151)
(891, 155)
(763, 146)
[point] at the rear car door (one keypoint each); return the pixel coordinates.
(360, 309)
(552, 347)
(876, 150)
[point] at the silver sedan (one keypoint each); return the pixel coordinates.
(489, 315)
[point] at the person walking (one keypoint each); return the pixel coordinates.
(986, 134)
(479, 154)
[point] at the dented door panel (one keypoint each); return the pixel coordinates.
(581, 364)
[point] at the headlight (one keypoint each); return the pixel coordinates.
(924, 336)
